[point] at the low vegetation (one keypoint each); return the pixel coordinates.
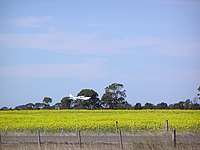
(103, 120)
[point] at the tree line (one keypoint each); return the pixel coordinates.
(113, 98)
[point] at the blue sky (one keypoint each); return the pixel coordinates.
(56, 47)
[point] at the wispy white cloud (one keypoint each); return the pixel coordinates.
(74, 43)
(83, 71)
(29, 21)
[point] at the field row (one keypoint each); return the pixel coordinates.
(104, 120)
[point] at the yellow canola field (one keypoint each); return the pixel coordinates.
(104, 120)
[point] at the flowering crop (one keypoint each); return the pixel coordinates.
(138, 120)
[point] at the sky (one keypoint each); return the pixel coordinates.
(51, 48)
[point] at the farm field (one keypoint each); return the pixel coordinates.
(103, 120)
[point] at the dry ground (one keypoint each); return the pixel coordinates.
(98, 141)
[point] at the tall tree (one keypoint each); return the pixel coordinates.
(187, 104)
(47, 101)
(66, 103)
(114, 96)
(92, 103)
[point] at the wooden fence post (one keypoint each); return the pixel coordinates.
(154, 125)
(0, 142)
(39, 140)
(174, 137)
(134, 128)
(62, 130)
(79, 138)
(76, 132)
(120, 140)
(166, 126)
(117, 126)
(98, 129)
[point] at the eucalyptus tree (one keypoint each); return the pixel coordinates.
(114, 97)
(92, 103)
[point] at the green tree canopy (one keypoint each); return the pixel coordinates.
(137, 106)
(66, 103)
(187, 104)
(47, 100)
(114, 96)
(149, 106)
(161, 105)
(39, 106)
(92, 103)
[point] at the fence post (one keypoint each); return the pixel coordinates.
(0, 142)
(76, 132)
(154, 125)
(39, 140)
(134, 128)
(174, 137)
(79, 138)
(120, 139)
(117, 126)
(166, 126)
(62, 130)
(98, 129)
